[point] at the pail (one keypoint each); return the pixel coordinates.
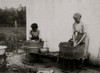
(33, 49)
(2, 49)
(44, 50)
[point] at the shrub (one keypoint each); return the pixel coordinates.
(2, 36)
(11, 39)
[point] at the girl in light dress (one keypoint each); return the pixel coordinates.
(80, 33)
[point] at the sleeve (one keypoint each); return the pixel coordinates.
(39, 33)
(30, 33)
(84, 28)
(73, 28)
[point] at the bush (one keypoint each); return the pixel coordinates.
(11, 39)
(2, 36)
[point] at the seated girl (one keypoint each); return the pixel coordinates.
(34, 32)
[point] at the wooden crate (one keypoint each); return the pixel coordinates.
(34, 43)
(33, 47)
(68, 51)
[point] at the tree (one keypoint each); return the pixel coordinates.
(9, 16)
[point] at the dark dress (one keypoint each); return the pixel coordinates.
(78, 38)
(35, 35)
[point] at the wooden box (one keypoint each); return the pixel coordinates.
(68, 51)
(34, 47)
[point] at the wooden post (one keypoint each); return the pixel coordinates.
(16, 36)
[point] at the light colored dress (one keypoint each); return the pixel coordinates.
(80, 30)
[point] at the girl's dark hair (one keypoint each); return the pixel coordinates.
(34, 25)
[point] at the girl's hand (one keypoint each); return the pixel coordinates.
(75, 44)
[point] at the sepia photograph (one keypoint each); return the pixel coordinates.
(49, 36)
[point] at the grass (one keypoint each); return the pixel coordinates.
(10, 29)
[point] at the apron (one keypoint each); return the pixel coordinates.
(78, 38)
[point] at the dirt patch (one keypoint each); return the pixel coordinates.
(16, 59)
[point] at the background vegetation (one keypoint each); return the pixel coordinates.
(11, 34)
(8, 16)
(11, 37)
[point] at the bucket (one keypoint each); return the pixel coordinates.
(68, 51)
(2, 49)
(33, 49)
(44, 50)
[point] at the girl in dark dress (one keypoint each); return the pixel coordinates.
(34, 32)
(34, 37)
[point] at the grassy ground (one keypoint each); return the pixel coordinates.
(10, 29)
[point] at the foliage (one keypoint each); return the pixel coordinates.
(11, 39)
(9, 16)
